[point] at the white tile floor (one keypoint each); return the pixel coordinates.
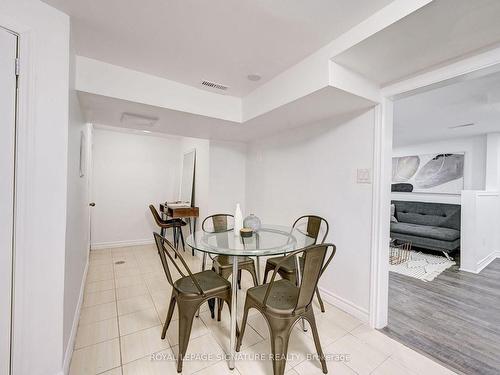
(125, 305)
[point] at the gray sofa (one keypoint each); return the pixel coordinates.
(434, 226)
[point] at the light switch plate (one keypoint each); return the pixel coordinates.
(363, 176)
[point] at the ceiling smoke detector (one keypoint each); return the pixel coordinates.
(214, 85)
(461, 126)
(254, 77)
(138, 120)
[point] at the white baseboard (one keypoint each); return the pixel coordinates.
(108, 245)
(71, 342)
(483, 263)
(345, 305)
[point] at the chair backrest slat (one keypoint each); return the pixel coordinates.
(220, 223)
(156, 215)
(314, 265)
(164, 254)
(314, 258)
(313, 225)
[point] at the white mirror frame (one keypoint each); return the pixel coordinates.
(187, 177)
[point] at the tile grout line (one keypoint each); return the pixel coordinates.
(384, 361)
(154, 305)
(98, 342)
(118, 322)
(120, 367)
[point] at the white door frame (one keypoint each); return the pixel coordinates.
(25, 162)
(472, 67)
(9, 108)
(89, 129)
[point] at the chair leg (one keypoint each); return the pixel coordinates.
(211, 306)
(170, 313)
(266, 271)
(211, 303)
(279, 349)
(251, 269)
(220, 305)
(254, 276)
(320, 300)
(239, 279)
(312, 322)
(186, 316)
(174, 233)
(182, 239)
(243, 325)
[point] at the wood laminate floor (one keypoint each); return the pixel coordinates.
(454, 319)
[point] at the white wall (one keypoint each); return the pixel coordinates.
(480, 239)
(77, 218)
(313, 170)
(474, 168)
(41, 184)
(131, 171)
(227, 177)
(493, 161)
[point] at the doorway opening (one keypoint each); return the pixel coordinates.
(444, 280)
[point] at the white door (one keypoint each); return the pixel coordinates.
(8, 53)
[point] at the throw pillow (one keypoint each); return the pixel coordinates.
(393, 214)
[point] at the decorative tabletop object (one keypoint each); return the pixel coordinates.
(252, 222)
(238, 219)
(246, 232)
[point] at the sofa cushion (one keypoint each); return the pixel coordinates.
(432, 214)
(438, 233)
(427, 243)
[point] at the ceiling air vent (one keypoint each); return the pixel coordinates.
(214, 85)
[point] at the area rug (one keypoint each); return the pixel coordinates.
(422, 266)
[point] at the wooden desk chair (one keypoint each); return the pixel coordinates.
(189, 292)
(175, 224)
(282, 303)
(310, 225)
(223, 264)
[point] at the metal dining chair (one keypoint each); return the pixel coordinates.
(189, 292)
(223, 264)
(175, 224)
(310, 225)
(282, 303)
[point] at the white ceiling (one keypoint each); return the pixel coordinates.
(427, 116)
(219, 40)
(328, 103)
(438, 33)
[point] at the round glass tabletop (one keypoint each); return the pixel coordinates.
(269, 240)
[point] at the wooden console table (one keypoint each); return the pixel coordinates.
(191, 213)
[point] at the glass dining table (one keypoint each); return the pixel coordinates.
(267, 241)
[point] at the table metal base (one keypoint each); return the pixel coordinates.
(234, 310)
(257, 270)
